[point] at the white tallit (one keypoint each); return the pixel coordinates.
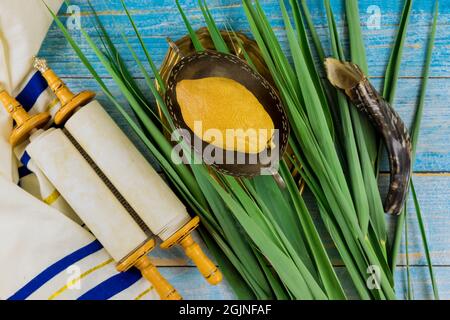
(43, 253)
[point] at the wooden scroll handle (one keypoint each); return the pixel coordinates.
(24, 123)
(206, 267)
(165, 290)
(69, 101)
(139, 259)
(184, 238)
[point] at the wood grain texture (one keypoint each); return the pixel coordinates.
(157, 19)
(156, 24)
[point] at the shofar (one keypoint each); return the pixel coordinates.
(350, 79)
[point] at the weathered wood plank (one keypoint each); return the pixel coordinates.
(158, 22)
(433, 194)
(421, 284)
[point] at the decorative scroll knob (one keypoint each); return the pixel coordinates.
(206, 267)
(184, 238)
(24, 123)
(141, 261)
(165, 290)
(69, 101)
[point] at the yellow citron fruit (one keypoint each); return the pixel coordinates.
(224, 113)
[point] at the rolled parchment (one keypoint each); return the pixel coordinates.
(57, 156)
(146, 194)
(86, 193)
(142, 187)
(128, 170)
(97, 206)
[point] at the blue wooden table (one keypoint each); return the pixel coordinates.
(158, 19)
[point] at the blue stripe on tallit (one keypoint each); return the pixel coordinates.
(25, 158)
(55, 269)
(112, 286)
(24, 171)
(34, 88)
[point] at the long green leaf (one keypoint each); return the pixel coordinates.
(393, 67)
(154, 151)
(329, 278)
(322, 158)
(214, 32)
(353, 162)
(288, 271)
(414, 140)
(195, 41)
(144, 48)
(424, 241)
(358, 56)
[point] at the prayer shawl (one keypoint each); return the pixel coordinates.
(44, 251)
